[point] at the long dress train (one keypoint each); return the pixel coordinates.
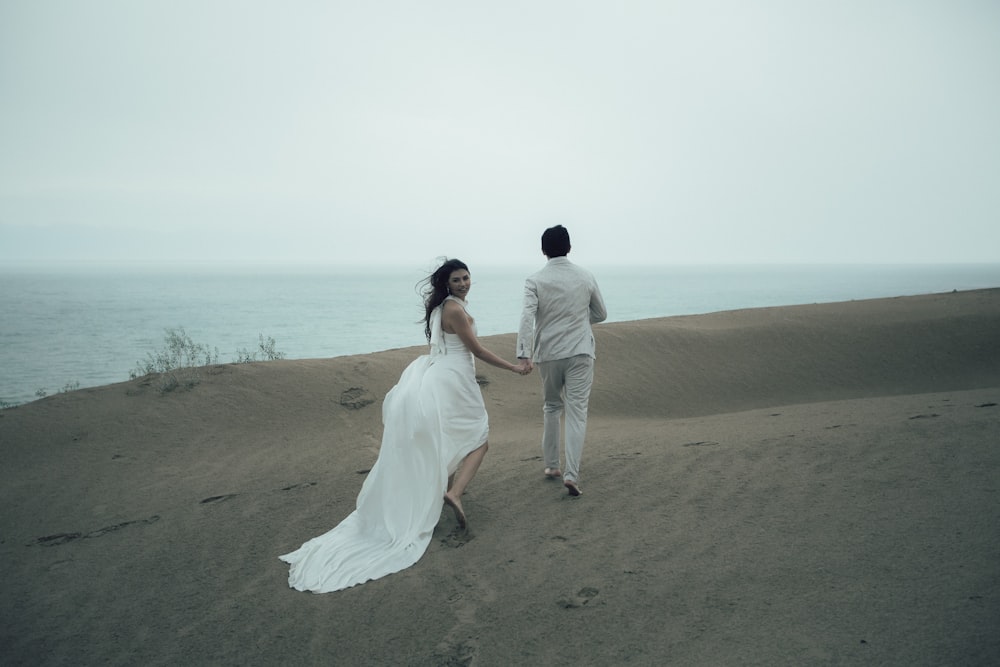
(432, 419)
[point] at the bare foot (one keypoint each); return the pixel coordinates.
(552, 473)
(572, 487)
(456, 505)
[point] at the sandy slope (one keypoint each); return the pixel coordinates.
(802, 485)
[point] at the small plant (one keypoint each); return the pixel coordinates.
(265, 348)
(41, 392)
(176, 363)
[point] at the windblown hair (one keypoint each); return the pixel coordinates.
(555, 242)
(435, 289)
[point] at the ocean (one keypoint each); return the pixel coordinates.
(77, 327)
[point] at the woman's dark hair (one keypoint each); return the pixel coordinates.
(435, 289)
(555, 242)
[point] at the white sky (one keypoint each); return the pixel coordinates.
(657, 132)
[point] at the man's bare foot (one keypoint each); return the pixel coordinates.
(572, 487)
(552, 473)
(456, 505)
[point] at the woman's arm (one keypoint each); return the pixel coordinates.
(455, 320)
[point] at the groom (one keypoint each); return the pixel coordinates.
(561, 301)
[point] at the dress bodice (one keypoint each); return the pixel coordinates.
(454, 345)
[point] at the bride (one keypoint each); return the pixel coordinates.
(434, 438)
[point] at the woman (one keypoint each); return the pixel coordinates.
(433, 441)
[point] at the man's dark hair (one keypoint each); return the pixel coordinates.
(555, 242)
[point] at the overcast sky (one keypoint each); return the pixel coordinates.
(657, 132)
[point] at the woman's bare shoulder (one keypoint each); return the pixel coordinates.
(455, 313)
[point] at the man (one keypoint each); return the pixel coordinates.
(561, 301)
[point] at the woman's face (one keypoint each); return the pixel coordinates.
(459, 283)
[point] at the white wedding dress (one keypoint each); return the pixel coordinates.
(432, 419)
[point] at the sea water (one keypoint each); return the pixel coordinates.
(68, 327)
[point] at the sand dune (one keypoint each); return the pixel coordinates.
(815, 484)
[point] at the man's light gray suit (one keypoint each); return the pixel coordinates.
(561, 302)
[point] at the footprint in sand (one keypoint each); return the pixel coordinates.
(303, 485)
(58, 538)
(459, 653)
(624, 456)
(218, 499)
(119, 526)
(356, 398)
(457, 648)
(63, 538)
(583, 597)
(457, 538)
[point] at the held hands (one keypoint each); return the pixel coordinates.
(524, 367)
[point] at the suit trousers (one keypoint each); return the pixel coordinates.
(566, 390)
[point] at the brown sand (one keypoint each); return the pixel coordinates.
(806, 485)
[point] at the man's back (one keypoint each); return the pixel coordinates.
(561, 301)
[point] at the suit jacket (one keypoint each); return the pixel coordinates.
(561, 301)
